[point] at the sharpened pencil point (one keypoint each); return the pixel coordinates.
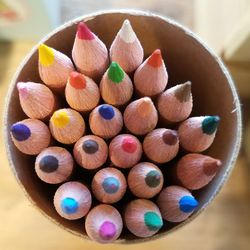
(107, 230)
(211, 167)
(20, 132)
(111, 185)
(83, 32)
(106, 111)
(77, 80)
(145, 106)
(210, 124)
(22, 89)
(153, 221)
(115, 72)
(60, 118)
(69, 205)
(129, 145)
(153, 178)
(46, 55)
(170, 137)
(183, 92)
(127, 33)
(155, 60)
(188, 204)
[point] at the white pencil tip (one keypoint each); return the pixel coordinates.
(126, 32)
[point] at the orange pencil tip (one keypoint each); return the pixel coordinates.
(155, 60)
(77, 80)
(83, 32)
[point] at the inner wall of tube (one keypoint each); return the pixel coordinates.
(185, 59)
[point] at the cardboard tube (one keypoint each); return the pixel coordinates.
(186, 57)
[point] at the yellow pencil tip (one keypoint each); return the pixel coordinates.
(60, 118)
(46, 55)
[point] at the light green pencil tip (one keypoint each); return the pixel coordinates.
(115, 73)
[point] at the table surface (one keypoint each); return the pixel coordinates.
(225, 224)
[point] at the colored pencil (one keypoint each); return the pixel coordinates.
(72, 200)
(151, 77)
(105, 121)
(145, 180)
(67, 125)
(89, 53)
(90, 152)
(142, 218)
(104, 224)
(37, 100)
(125, 150)
(176, 103)
(116, 87)
(30, 136)
(81, 92)
(195, 171)
(161, 145)
(54, 67)
(126, 48)
(176, 203)
(109, 185)
(196, 134)
(140, 116)
(54, 165)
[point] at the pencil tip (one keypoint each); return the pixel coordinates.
(170, 137)
(115, 73)
(20, 131)
(211, 166)
(107, 230)
(77, 80)
(210, 124)
(188, 204)
(183, 92)
(60, 118)
(83, 32)
(111, 185)
(106, 111)
(69, 205)
(153, 178)
(46, 55)
(155, 60)
(145, 106)
(129, 145)
(127, 33)
(22, 89)
(153, 221)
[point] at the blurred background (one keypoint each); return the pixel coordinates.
(225, 26)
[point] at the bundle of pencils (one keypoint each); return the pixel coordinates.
(122, 146)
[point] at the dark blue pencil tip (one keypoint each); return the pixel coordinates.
(106, 111)
(20, 131)
(69, 205)
(210, 124)
(188, 204)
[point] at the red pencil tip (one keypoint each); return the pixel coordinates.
(129, 145)
(77, 80)
(83, 32)
(155, 60)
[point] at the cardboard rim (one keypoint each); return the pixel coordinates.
(188, 32)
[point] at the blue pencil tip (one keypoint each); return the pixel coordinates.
(20, 131)
(188, 204)
(111, 185)
(106, 111)
(210, 124)
(69, 205)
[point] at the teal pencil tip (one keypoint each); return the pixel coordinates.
(115, 73)
(153, 221)
(210, 124)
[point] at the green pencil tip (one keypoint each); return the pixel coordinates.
(153, 221)
(115, 72)
(210, 124)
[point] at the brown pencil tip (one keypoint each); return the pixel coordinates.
(155, 60)
(211, 166)
(145, 106)
(170, 137)
(183, 92)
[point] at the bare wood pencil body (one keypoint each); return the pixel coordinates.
(126, 49)
(30, 136)
(54, 165)
(104, 224)
(37, 100)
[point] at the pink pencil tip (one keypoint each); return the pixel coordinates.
(83, 32)
(107, 230)
(22, 89)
